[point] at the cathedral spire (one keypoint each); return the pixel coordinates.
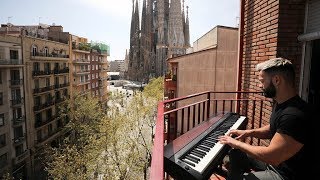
(132, 23)
(176, 34)
(186, 30)
(144, 17)
(183, 19)
(136, 18)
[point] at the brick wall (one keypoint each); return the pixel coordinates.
(291, 24)
(270, 29)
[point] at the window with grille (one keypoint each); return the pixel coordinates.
(14, 54)
(2, 140)
(1, 98)
(34, 50)
(3, 160)
(36, 66)
(0, 76)
(19, 150)
(1, 120)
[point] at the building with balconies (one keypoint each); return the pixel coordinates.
(47, 84)
(80, 65)
(89, 66)
(99, 66)
(32, 87)
(14, 153)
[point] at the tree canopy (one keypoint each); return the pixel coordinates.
(114, 144)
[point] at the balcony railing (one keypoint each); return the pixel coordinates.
(20, 139)
(59, 100)
(40, 123)
(51, 135)
(180, 115)
(43, 106)
(43, 89)
(17, 101)
(16, 82)
(42, 73)
(55, 55)
(57, 86)
(80, 61)
(10, 62)
(20, 157)
(19, 120)
(61, 71)
(81, 72)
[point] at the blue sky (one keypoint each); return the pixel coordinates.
(109, 20)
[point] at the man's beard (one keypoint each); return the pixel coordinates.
(270, 91)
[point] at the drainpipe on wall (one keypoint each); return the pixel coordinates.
(240, 50)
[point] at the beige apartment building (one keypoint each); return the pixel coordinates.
(46, 78)
(40, 67)
(14, 153)
(211, 67)
(80, 58)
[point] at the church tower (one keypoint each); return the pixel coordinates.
(135, 63)
(162, 7)
(164, 33)
(186, 31)
(147, 39)
(176, 33)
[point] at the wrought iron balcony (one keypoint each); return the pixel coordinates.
(19, 139)
(57, 86)
(10, 62)
(61, 71)
(19, 120)
(180, 115)
(16, 82)
(50, 136)
(42, 73)
(59, 100)
(16, 102)
(43, 106)
(49, 55)
(43, 89)
(81, 72)
(20, 157)
(81, 61)
(40, 123)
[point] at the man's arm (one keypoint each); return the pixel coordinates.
(261, 133)
(281, 148)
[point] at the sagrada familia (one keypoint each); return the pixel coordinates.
(163, 33)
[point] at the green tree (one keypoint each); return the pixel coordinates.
(74, 158)
(116, 143)
(130, 131)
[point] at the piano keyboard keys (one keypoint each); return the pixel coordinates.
(206, 150)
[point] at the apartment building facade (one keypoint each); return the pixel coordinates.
(14, 153)
(211, 67)
(47, 84)
(89, 67)
(101, 67)
(37, 73)
(80, 65)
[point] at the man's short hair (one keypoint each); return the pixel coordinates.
(275, 62)
(278, 66)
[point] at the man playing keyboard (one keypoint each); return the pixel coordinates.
(287, 155)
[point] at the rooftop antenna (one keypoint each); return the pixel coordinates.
(237, 21)
(9, 17)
